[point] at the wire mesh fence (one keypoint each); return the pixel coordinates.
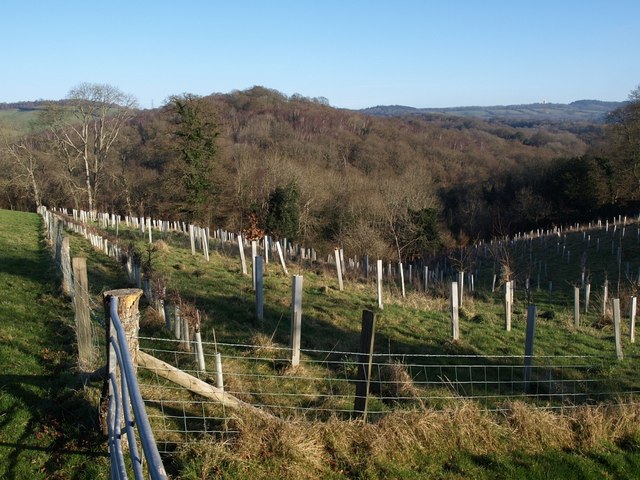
(322, 386)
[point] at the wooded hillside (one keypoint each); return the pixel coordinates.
(388, 186)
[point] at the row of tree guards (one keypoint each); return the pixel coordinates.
(456, 303)
(418, 272)
(182, 328)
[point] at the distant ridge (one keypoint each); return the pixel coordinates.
(580, 110)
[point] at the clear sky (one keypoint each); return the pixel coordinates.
(421, 53)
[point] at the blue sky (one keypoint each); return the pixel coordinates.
(430, 53)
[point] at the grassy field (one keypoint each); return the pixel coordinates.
(458, 440)
(47, 421)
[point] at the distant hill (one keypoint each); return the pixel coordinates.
(581, 110)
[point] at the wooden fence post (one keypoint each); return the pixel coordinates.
(128, 299)
(65, 266)
(296, 319)
(84, 332)
(528, 345)
(367, 336)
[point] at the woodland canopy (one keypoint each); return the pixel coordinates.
(387, 186)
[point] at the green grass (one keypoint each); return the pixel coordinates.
(417, 324)
(48, 425)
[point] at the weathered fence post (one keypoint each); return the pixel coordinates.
(65, 266)
(528, 345)
(379, 283)
(84, 332)
(129, 319)
(128, 299)
(259, 284)
(616, 327)
(455, 322)
(366, 362)
(296, 319)
(632, 318)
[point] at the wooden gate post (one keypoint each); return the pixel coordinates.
(128, 299)
(130, 319)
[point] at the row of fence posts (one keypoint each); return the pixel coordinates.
(120, 394)
(75, 285)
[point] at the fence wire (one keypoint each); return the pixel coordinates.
(323, 384)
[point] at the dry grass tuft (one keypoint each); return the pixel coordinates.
(161, 246)
(296, 444)
(396, 382)
(266, 347)
(305, 449)
(594, 425)
(151, 320)
(418, 301)
(538, 429)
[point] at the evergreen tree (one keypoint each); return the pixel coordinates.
(283, 215)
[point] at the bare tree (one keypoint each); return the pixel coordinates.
(22, 154)
(87, 127)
